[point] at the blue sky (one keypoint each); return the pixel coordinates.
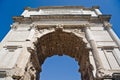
(9, 8)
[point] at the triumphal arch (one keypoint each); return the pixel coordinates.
(84, 34)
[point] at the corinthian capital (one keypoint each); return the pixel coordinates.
(14, 25)
(107, 24)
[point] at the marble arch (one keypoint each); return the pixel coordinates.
(67, 43)
(80, 32)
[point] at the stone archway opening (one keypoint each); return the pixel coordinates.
(64, 43)
(60, 68)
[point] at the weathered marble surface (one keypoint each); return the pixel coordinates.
(82, 33)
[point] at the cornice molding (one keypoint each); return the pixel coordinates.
(105, 17)
(62, 7)
(100, 18)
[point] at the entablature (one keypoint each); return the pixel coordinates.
(32, 18)
(63, 26)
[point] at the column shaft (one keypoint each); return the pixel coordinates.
(94, 49)
(113, 35)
